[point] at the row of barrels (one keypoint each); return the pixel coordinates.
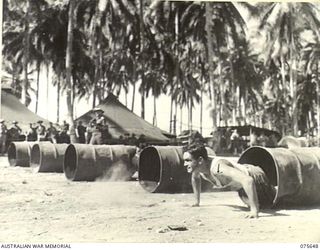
(294, 172)
(79, 162)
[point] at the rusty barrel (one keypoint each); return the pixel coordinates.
(295, 173)
(161, 169)
(48, 157)
(83, 162)
(19, 153)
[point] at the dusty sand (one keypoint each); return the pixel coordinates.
(48, 208)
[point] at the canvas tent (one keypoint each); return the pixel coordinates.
(13, 110)
(121, 121)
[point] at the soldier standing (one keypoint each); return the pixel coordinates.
(3, 136)
(99, 120)
(81, 132)
(32, 133)
(15, 132)
(64, 136)
(41, 132)
(52, 133)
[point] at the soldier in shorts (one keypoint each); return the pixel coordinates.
(226, 175)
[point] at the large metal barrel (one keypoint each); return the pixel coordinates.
(48, 157)
(295, 173)
(161, 169)
(83, 162)
(19, 153)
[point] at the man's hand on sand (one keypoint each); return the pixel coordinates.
(252, 216)
(195, 205)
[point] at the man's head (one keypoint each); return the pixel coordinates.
(195, 157)
(1, 121)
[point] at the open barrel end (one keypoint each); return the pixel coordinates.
(149, 169)
(70, 162)
(12, 155)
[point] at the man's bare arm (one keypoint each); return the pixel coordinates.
(196, 186)
(250, 189)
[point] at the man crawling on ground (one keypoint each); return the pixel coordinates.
(228, 176)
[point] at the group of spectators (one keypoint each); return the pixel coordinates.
(35, 132)
(96, 133)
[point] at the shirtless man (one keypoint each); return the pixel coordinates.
(223, 174)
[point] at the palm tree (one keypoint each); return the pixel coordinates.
(283, 23)
(311, 55)
(19, 39)
(164, 20)
(215, 25)
(69, 51)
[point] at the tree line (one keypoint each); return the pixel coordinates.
(258, 68)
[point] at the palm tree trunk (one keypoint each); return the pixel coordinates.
(94, 95)
(154, 111)
(142, 62)
(188, 108)
(94, 44)
(48, 84)
(69, 69)
(190, 112)
(134, 73)
(171, 115)
(284, 84)
(176, 38)
(58, 99)
(38, 86)
(175, 117)
(180, 119)
(318, 103)
(201, 106)
(210, 61)
(25, 84)
(293, 90)
(133, 95)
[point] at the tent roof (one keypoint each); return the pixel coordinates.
(13, 110)
(121, 120)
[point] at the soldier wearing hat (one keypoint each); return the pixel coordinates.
(99, 122)
(41, 131)
(81, 132)
(52, 133)
(3, 136)
(64, 136)
(32, 133)
(15, 132)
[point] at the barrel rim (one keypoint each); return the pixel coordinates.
(67, 173)
(77, 147)
(160, 178)
(12, 148)
(41, 146)
(275, 164)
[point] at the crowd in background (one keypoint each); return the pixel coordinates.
(96, 133)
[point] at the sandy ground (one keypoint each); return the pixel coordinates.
(48, 208)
